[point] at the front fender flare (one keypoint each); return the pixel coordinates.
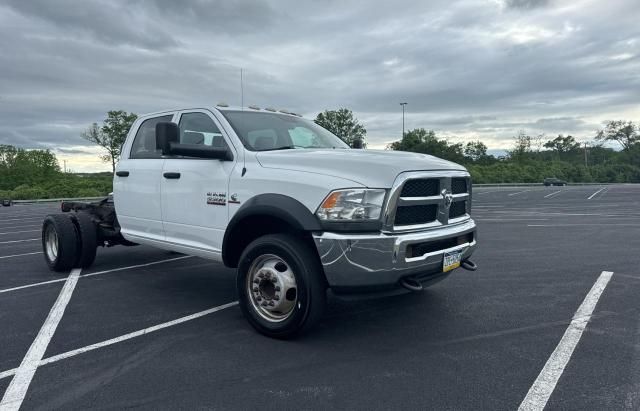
(279, 206)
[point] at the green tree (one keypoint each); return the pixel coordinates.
(424, 141)
(343, 124)
(521, 147)
(25, 167)
(623, 132)
(475, 150)
(563, 146)
(111, 135)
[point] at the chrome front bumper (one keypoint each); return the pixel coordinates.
(374, 260)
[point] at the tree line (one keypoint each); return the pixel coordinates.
(530, 159)
(33, 174)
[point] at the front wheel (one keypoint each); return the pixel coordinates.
(280, 285)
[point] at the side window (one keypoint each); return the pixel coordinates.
(144, 144)
(198, 128)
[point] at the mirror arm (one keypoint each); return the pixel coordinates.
(200, 151)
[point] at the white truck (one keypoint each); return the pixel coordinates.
(288, 204)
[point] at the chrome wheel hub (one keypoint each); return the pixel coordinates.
(271, 287)
(51, 243)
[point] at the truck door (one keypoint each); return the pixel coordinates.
(194, 190)
(137, 184)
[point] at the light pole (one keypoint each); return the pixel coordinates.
(403, 104)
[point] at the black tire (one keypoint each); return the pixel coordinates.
(311, 290)
(87, 239)
(64, 238)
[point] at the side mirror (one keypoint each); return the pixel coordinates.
(357, 143)
(166, 133)
(168, 137)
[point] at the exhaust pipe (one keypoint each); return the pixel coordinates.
(411, 284)
(469, 265)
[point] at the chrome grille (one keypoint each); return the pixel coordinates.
(457, 209)
(418, 214)
(458, 185)
(420, 200)
(423, 187)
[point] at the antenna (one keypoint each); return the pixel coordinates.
(241, 92)
(244, 156)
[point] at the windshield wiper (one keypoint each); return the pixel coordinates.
(279, 148)
(282, 148)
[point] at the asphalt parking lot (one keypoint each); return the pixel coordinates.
(150, 329)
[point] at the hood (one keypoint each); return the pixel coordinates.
(371, 168)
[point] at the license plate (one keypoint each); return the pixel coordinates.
(451, 260)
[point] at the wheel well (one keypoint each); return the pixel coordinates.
(252, 227)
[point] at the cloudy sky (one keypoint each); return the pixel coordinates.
(470, 69)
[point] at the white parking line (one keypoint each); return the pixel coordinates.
(633, 277)
(22, 216)
(519, 192)
(581, 224)
(511, 219)
(525, 213)
(7, 290)
(552, 194)
(19, 241)
(125, 337)
(19, 385)
(594, 194)
(19, 226)
(21, 219)
(544, 385)
(20, 255)
(18, 232)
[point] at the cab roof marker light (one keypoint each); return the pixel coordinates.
(284, 111)
(222, 105)
(254, 107)
(270, 109)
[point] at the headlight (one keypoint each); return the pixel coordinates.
(352, 205)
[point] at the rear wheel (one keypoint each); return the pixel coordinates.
(87, 239)
(280, 285)
(59, 242)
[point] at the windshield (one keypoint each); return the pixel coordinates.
(260, 131)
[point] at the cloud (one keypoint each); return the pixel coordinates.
(467, 69)
(103, 21)
(525, 4)
(74, 151)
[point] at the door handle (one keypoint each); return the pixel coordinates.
(171, 175)
(122, 173)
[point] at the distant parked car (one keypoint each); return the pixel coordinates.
(554, 182)
(6, 202)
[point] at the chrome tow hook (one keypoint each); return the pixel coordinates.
(411, 284)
